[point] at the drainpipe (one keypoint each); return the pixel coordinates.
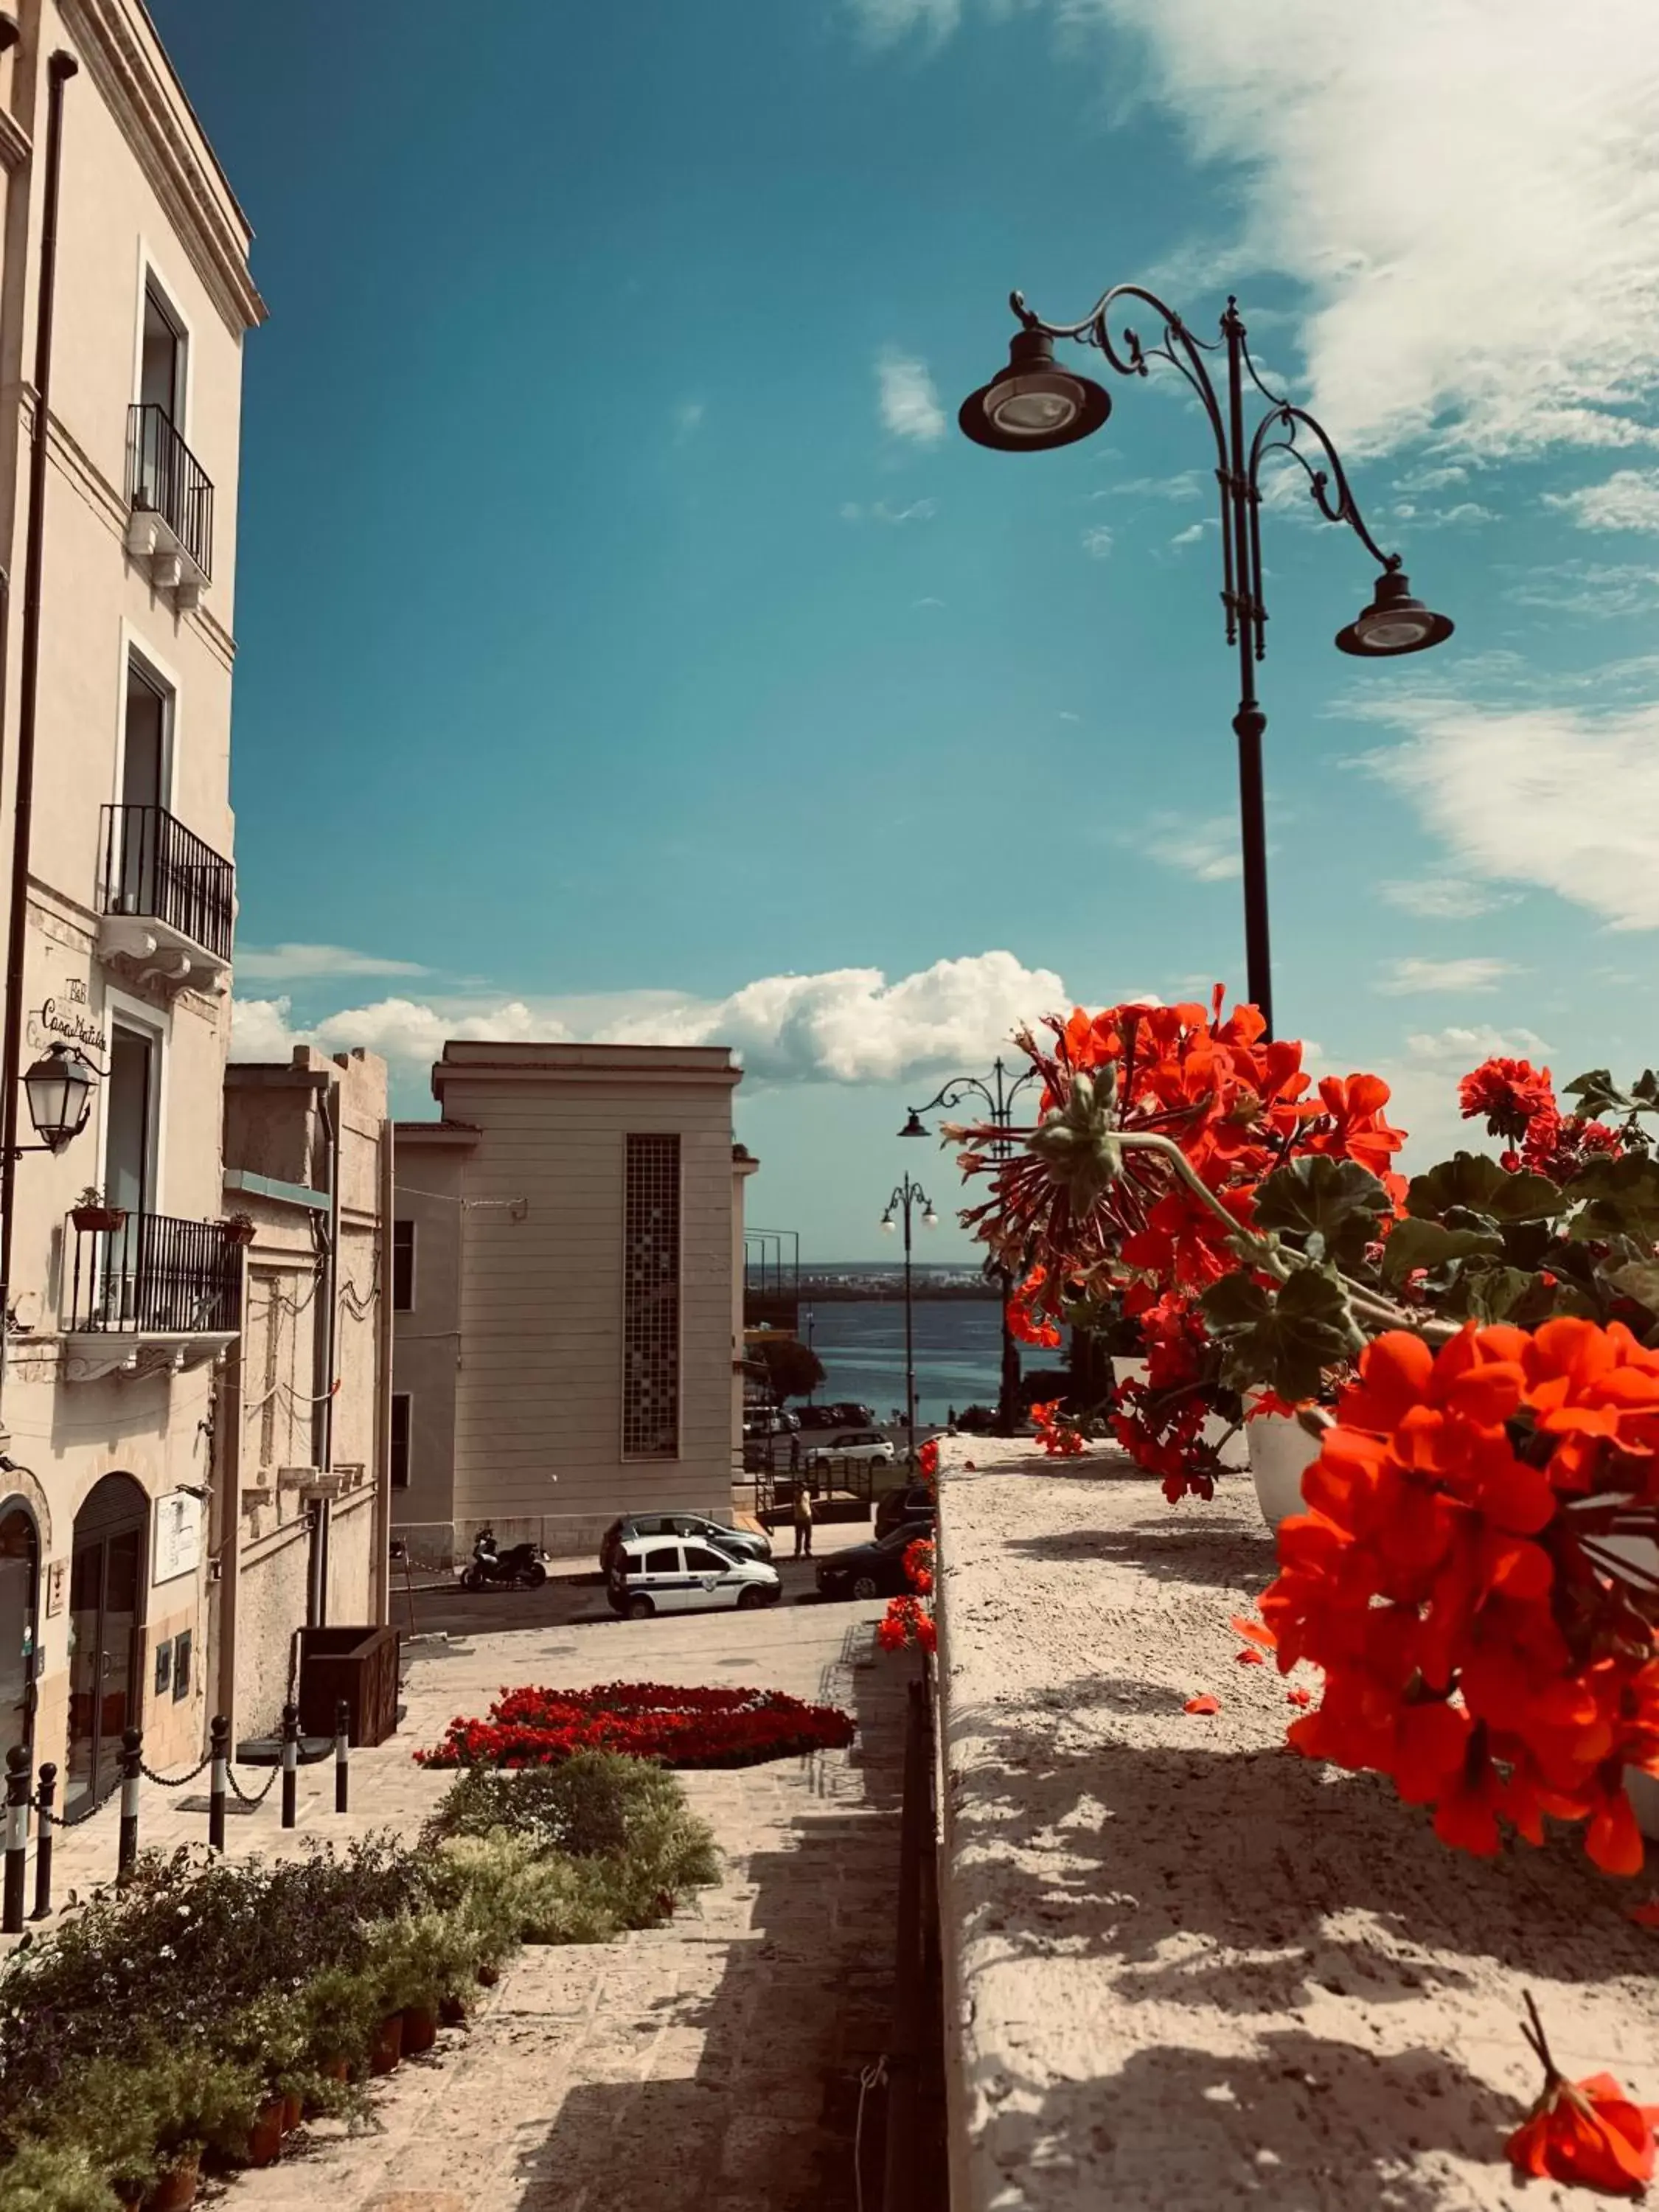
(59, 69)
(228, 1493)
(327, 1352)
(380, 1557)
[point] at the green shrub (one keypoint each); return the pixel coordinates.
(46, 2177)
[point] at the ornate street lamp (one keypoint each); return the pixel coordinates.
(58, 1088)
(1034, 405)
(906, 1194)
(999, 1094)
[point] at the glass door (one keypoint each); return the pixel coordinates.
(19, 1584)
(105, 1591)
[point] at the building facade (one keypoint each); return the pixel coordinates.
(567, 1295)
(118, 527)
(302, 1438)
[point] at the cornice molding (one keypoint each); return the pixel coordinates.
(126, 77)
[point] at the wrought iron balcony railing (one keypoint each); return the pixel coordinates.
(151, 867)
(164, 478)
(153, 1276)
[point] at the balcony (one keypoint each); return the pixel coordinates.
(171, 528)
(153, 1294)
(167, 900)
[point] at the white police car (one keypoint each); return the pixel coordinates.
(657, 1574)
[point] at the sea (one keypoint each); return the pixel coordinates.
(958, 1352)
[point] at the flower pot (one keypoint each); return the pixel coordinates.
(420, 2030)
(239, 1232)
(1281, 1451)
(452, 2011)
(488, 1975)
(176, 2191)
(387, 2047)
(294, 2111)
(89, 1218)
(264, 2138)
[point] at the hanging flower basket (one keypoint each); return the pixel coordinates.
(238, 1229)
(109, 1218)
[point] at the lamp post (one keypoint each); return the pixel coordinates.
(1033, 405)
(999, 1094)
(906, 1194)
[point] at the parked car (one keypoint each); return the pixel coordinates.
(914, 1504)
(865, 1571)
(776, 1422)
(820, 1416)
(858, 1447)
(739, 1543)
(658, 1574)
(849, 1415)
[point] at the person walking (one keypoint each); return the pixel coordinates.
(803, 1520)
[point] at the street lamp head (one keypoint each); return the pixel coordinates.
(930, 1219)
(915, 1127)
(1033, 406)
(58, 1088)
(1395, 623)
(888, 1223)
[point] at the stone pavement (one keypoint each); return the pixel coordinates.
(714, 2062)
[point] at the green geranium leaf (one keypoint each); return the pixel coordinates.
(1333, 1205)
(1471, 1182)
(1286, 1337)
(1498, 1294)
(1414, 1243)
(1621, 1199)
(1597, 1094)
(1637, 1279)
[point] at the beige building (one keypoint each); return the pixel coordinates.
(302, 1432)
(117, 528)
(568, 1294)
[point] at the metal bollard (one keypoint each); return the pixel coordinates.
(218, 1774)
(132, 1752)
(17, 1837)
(290, 1764)
(43, 1798)
(342, 1756)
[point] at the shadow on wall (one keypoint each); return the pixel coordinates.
(770, 2113)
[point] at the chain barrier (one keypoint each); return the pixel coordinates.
(82, 1813)
(260, 1797)
(176, 1781)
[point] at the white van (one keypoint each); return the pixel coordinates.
(655, 1574)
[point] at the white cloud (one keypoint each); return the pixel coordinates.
(1191, 534)
(1564, 797)
(1206, 850)
(885, 22)
(1404, 976)
(1445, 898)
(1187, 485)
(687, 417)
(1628, 500)
(1461, 1050)
(845, 1025)
(1471, 205)
(918, 510)
(1098, 543)
(1432, 477)
(265, 964)
(908, 402)
(1599, 589)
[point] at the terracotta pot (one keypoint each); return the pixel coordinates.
(387, 2047)
(1280, 1450)
(488, 1976)
(107, 1217)
(452, 2011)
(176, 2191)
(419, 2029)
(294, 2111)
(264, 2140)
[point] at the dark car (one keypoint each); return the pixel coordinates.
(820, 1416)
(739, 1543)
(848, 1415)
(875, 1569)
(913, 1503)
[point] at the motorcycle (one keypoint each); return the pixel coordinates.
(521, 1566)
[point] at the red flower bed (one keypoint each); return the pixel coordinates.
(533, 1727)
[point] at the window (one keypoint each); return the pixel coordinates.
(403, 1267)
(663, 1562)
(162, 354)
(651, 1298)
(400, 1440)
(699, 1562)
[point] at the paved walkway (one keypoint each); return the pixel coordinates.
(712, 2063)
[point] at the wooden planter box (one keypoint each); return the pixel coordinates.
(358, 1664)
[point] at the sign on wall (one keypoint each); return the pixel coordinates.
(178, 1536)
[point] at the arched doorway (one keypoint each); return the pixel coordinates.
(20, 1587)
(108, 1580)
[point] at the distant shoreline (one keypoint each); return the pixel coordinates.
(826, 1294)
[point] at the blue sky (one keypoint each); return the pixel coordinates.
(631, 646)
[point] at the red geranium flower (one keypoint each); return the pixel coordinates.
(1587, 2132)
(1506, 1094)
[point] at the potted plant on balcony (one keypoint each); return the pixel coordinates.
(90, 1211)
(239, 1228)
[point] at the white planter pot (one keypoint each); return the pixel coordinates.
(1280, 1448)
